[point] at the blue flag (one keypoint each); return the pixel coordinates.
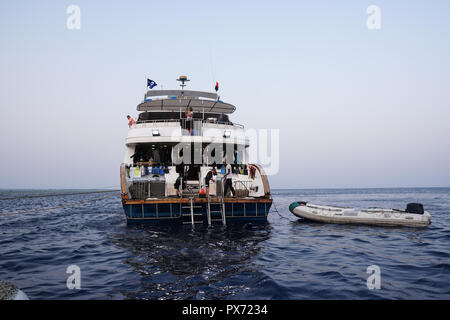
(151, 84)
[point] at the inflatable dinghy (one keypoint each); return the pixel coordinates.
(412, 216)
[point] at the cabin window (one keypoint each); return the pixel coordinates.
(176, 116)
(157, 153)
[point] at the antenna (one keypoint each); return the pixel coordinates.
(183, 79)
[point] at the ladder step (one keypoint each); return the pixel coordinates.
(189, 222)
(221, 210)
(190, 215)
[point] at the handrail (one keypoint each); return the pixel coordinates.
(242, 183)
(213, 122)
(181, 93)
(223, 123)
(161, 120)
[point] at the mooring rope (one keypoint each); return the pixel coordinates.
(72, 204)
(58, 194)
(279, 214)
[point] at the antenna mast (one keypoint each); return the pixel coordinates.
(183, 79)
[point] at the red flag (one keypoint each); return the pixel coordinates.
(217, 86)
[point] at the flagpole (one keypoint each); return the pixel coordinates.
(145, 90)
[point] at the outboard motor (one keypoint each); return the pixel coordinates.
(416, 208)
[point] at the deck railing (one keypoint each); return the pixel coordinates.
(161, 123)
(197, 125)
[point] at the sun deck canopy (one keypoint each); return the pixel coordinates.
(176, 100)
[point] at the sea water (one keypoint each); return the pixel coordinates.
(285, 258)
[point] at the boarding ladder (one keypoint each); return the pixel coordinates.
(221, 205)
(194, 216)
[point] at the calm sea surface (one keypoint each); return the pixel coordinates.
(286, 258)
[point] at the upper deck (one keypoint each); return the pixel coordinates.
(179, 100)
(163, 119)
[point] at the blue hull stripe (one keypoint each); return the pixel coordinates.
(174, 211)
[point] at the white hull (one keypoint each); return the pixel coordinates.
(379, 217)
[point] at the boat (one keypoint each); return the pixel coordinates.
(169, 152)
(412, 216)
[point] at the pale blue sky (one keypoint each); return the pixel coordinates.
(355, 107)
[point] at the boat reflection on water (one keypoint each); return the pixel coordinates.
(176, 262)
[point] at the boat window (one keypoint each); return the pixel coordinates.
(157, 153)
(167, 116)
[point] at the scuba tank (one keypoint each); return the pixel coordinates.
(137, 172)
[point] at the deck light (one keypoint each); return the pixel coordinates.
(227, 134)
(155, 132)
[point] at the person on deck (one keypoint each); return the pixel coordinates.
(208, 178)
(228, 181)
(180, 181)
(189, 117)
(130, 121)
(156, 157)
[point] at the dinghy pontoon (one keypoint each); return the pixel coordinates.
(412, 216)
